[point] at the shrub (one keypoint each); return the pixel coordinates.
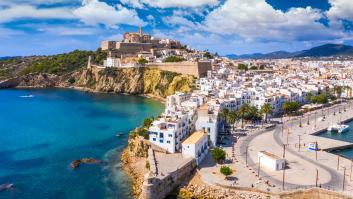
(174, 59)
(218, 155)
(147, 165)
(226, 171)
(147, 122)
(71, 80)
(144, 133)
(142, 61)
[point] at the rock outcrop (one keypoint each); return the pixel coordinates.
(76, 163)
(149, 81)
(135, 81)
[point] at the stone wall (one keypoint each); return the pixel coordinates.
(197, 69)
(157, 186)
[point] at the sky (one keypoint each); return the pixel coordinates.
(45, 27)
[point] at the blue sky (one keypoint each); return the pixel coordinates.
(42, 27)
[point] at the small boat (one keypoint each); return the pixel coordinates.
(6, 186)
(27, 96)
(119, 134)
(340, 128)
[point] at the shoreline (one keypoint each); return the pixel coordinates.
(89, 90)
(129, 163)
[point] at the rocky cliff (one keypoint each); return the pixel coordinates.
(135, 81)
(128, 80)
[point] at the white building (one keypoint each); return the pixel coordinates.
(168, 131)
(271, 161)
(207, 121)
(112, 62)
(196, 146)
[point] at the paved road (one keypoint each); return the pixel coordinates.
(335, 178)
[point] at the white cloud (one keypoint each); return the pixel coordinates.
(94, 12)
(5, 32)
(256, 19)
(170, 3)
(340, 9)
(179, 20)
(28, 11)
(69, 31)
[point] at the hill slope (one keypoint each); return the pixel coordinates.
(326, 50)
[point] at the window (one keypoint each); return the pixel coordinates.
(154, 139)
(161, 141)
(170, 135)
(161, 135)
(168, 142)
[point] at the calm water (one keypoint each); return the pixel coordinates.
(346, 136)
(40, 136)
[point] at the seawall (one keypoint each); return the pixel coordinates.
(161, 185)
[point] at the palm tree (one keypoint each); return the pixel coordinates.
(243, 112)
(233, 117)
(266, 109)
(338, 91)
(224, 114)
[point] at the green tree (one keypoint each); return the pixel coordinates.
(142, 61)
(233, 118)
(147, 122)
(242, 66)
(320, 99)
(266, 109)
(290, 107)
(226, 171)
(308, 97)
(208, 55)
(338, 90)
(243, 112)
(218, 155)
(253, 68)
(224, 114)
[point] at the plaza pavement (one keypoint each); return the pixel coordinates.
(302, 165)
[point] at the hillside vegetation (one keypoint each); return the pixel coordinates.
(63, 63)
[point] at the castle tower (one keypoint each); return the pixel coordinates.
(140, 30)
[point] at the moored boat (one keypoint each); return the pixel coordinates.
(340, 128)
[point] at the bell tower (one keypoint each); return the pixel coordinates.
(140, 30)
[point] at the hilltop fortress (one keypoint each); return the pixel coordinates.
(138, 49)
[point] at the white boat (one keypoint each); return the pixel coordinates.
(27, 96)
(340, 128)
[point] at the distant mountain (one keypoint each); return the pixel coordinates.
(326, 50)
(6, 58)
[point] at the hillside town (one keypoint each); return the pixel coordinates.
(232, 101)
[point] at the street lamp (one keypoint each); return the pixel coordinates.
(300, 121)
(258, 169)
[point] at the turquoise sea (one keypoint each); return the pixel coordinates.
(346, 136)
(41, 135)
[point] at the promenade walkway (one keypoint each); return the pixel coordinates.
(304, 166)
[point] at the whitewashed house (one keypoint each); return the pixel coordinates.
(271, 161)
(196, 146)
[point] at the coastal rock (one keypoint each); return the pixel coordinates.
(135, 81)
(76, 163)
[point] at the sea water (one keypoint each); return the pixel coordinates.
(43, 130)
(345, 136)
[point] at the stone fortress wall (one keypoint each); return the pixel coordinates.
(159, 186)
(198, 69)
